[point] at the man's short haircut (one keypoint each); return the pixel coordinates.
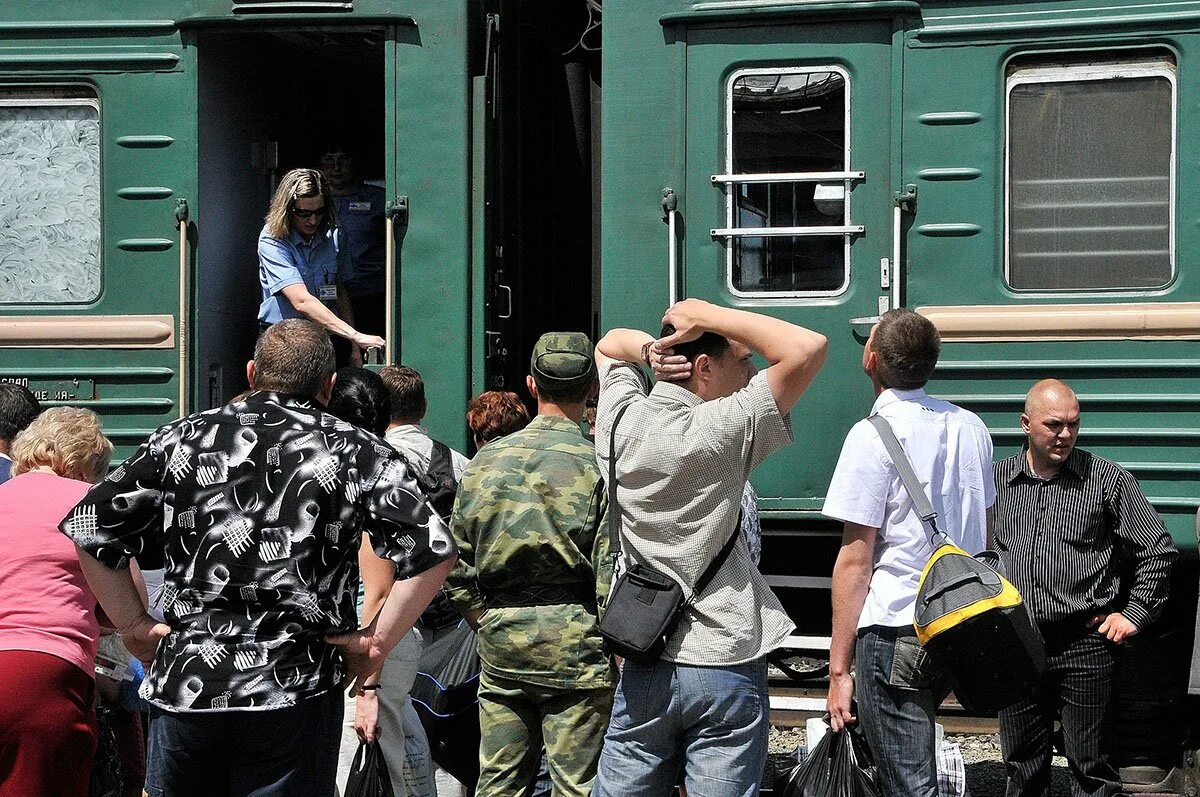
(568, 393)
(360, 398)
(496, 413)
(908, 346)
(18, 408)
(407, 392)
(67, 440)
(294, 356)
(709, 343)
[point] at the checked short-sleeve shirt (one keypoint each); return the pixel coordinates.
(682, 466)
(257, 509)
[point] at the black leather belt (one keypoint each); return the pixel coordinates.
(534, 596)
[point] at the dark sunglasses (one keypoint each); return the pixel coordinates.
(307, 214)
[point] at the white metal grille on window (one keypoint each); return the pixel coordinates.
(788, 182)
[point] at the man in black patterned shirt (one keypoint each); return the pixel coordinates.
(257, 509)
(1092, 560)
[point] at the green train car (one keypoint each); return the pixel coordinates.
(1016, 171)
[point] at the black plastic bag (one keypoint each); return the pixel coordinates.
(839, 766)
(368, 773)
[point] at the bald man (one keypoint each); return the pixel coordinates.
(1092, 560)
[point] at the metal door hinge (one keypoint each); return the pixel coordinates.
(397, 210)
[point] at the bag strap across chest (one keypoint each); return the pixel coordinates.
(908, 477)
(614, 517)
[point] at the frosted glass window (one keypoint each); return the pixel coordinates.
(49, 198)
(1090, 177)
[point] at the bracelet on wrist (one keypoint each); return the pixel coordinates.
(646, 352)
(367, 688)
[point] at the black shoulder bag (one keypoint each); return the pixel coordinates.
(645, 604)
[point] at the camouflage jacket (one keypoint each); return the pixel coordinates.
(529, 521)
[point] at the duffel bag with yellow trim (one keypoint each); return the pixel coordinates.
(969, 617)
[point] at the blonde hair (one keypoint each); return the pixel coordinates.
(297, 184)
(68, 441)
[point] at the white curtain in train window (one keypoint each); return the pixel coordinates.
(1091, 176)
(49, 200)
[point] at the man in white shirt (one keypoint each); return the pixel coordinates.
(683, 455)
(885, 546)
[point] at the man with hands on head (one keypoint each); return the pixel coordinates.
(684, 451)
(885, 546)
(1092, 560)
(257, 508)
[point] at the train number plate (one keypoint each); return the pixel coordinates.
(56, 389)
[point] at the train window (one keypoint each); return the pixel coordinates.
(1090, 193)
(788, 187)
(49, 196)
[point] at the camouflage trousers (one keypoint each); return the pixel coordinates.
(517, 719)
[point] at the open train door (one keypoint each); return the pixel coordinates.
(97, 135)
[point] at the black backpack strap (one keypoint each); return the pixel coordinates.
(441, 464)
(614, 517)
(614, 509)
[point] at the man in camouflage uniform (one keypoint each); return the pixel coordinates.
(533, 556)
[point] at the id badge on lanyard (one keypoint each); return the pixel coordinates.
(328, 294)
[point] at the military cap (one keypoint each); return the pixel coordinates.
(562, 360)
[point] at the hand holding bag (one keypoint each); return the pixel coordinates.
(368, 773)
(645, 604)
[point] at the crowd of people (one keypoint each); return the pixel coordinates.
(255, 522)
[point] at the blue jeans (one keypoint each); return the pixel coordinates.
(710, 723)
(273, 753)
(898, 691)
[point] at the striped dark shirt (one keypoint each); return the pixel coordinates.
(1081, 542)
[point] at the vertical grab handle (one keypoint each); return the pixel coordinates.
(181, 224)
(395, 214)
(670, 204)
(389, 303)
(897, 267)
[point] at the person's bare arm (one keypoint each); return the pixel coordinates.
(119, 596)
(315, 310)
(851, 580)
(624, 345)
(367, 647)
(794, 354)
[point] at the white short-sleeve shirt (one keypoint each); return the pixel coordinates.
(951, 452)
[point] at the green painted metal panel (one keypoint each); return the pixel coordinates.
(429, 149)
(140, 74)
(798, 476)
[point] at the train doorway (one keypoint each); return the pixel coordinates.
(269, 101)
(541, 181)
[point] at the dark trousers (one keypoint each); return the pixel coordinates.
(1077, 690)
(274, 753)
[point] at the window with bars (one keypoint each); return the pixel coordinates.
(1090, 188)
(788, 182)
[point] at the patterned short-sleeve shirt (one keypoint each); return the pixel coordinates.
(256, 510)
(682, 466)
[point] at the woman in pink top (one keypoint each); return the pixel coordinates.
(48, 624)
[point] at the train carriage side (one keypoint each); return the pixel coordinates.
(98, 142)
(1013, 170)
(141, 144)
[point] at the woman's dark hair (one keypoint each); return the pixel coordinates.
(360, 398)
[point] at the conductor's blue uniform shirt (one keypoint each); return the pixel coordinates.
(290, 261)
(361, 239)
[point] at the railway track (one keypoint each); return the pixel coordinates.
(792, 704)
